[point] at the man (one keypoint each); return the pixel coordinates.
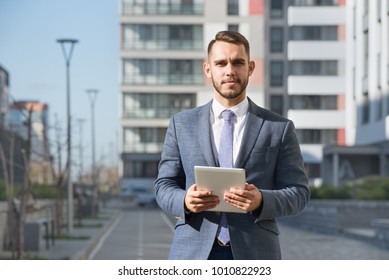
(264, 144)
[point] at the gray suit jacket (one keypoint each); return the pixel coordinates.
(271, 156)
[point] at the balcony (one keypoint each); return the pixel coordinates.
(151, 113)
(316, 84)
(317, 119)
(143, 148)
(162, 9)
(163, 44)
(316, 50)
(317, 15)
(167, 79)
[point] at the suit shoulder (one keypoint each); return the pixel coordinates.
(268, 115)
(272, 116)
(189, 114)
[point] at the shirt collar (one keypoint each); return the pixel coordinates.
(239, 110)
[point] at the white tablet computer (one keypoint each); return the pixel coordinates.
(219, 180)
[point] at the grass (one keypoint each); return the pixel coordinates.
(70, 237)
(82, 225)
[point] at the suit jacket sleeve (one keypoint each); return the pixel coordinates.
(170, 185)
(290, 191)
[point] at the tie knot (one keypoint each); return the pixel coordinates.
(228, 115)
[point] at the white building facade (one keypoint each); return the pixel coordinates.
(367, 96)
(163, 47)
(305, 72)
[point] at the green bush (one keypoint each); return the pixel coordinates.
(40, 191)
(367, 188)
(2, 191)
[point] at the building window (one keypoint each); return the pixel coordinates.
(165, 7)
(365, 108)
(315, 3)
(276, 73)
(380, 105)
(379, 70)
(276, 8)
(140, 169)
(314, 33)
(314, 67)
(143, 139)
(156, 105)
(162, 72)
(277, 104)
(162, 37)
(313, 102)
(366, 55)
(233, 27)
(233, 7)
(317, 136)
(276, 39)
(387, 105)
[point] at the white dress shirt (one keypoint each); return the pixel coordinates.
(217, 121)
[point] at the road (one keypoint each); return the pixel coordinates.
(138, 234)
(146, 234)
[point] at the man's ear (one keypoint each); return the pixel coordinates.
(207, 70)
(251, 67)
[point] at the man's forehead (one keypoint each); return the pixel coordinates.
(224, 50)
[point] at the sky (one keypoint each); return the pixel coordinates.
(29, 51)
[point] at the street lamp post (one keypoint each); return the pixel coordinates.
(68, 55)
(80, 151)
(92, 94)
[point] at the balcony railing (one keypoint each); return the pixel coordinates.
(168, 79)
(162, 9)
(143, 148)
(314, 3)
(151, 113)
(163, 44)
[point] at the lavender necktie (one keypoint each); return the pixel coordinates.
(225, 160)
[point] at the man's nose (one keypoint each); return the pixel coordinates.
(229, 69)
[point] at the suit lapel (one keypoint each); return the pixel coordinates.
(253, 127)
(204, 134)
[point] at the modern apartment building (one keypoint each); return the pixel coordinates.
(305, 72)
(4, 95)
(19, 113)
(367, 92)
(163, 47)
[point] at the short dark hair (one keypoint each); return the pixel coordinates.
(232, 37)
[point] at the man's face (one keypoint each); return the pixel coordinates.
(229, 68)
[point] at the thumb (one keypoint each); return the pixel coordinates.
(249, 187)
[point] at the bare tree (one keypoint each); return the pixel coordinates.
(10, 240)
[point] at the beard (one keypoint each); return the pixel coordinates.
(231, 93)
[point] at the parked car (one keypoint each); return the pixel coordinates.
(127, 194)
(144, 196)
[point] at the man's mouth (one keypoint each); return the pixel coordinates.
(230, 82)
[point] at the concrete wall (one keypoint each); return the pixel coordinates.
(44, 209)
(336, 216)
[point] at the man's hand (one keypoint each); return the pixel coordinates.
(197, 201)
(247, 199)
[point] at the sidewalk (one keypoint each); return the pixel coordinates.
(296, 243)
(84, 238)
